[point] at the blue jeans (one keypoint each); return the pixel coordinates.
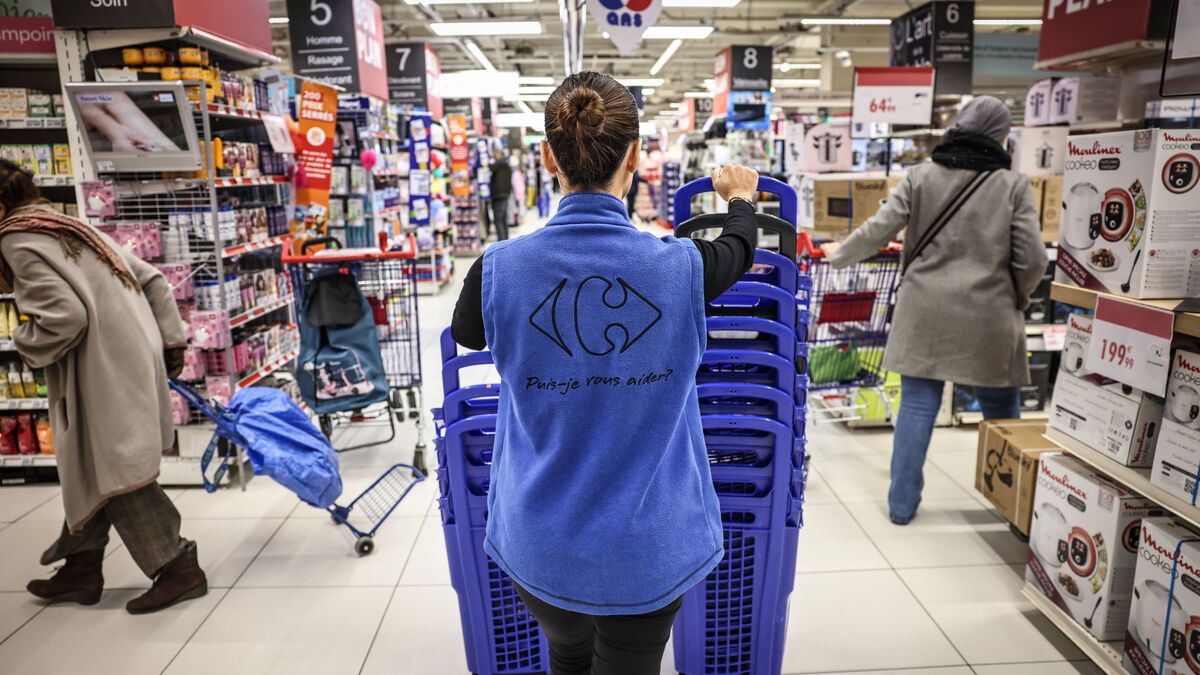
(920, 400)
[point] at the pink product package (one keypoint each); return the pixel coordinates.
(219, 389)
(179, 410)
(179, 275)
(143, 239)
(211, 330)
(194, 365)
(241, 357)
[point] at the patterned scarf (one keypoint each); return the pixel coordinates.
(71, 233)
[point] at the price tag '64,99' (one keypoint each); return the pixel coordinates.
(1131, 343)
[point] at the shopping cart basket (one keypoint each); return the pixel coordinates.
(850, 315)
(388, 280)
(266, 451)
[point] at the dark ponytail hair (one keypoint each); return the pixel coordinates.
(590, 121)
(17, 188)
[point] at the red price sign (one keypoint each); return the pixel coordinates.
(1131, 343)
(900, 95)
(882, 105)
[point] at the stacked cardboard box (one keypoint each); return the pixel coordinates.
(1007, 464)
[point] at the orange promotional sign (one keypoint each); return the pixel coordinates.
(460, 165)
(314, 160)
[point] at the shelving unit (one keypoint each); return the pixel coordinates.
(1106, 655)
(1187, 323)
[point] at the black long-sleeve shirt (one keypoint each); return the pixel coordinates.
(725, 260)
(501, 179)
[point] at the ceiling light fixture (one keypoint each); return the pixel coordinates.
(477, 53)
(543, 91)
(278, 20)
(677, 32)
(474, 28)
(796, 83)
(845, 22)
(666, 56)
(536, 98)
(464, 2)
(785, 67)
(696, 94)
(648, 91)
(525, 107)
(534, 79)
(641, 81)
(1008, 22)
(701, 3)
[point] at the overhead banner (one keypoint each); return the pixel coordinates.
(26, 28)
(339, 42)
(1071, 27)
(317, 117)
(940, 34)
(893, 95)
(244, 22)
(625, 20)
(413, 73)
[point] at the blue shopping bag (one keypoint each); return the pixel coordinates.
(341, 367)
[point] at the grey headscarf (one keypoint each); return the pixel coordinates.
(985, 115)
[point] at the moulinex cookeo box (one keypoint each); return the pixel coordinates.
(1177, 458)
(1161, 611)
(1103, 414)
(1083, 543)
(1131, 213)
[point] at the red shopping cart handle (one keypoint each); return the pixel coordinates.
(806, 247)
(351, 255)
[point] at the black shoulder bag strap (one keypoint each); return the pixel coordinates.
(948, 212)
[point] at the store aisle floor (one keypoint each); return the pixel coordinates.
(289, 596)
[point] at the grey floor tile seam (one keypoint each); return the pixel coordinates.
(892, 568)
(23, 623)
(225, 594)
(37, 506)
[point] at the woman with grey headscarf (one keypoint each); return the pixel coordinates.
(959, 313)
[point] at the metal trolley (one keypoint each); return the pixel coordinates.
(850, 316)
(388, 280)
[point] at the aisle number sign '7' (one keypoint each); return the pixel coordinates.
(897, 95)
(1131, 343)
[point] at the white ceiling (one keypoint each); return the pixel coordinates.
(762, 22)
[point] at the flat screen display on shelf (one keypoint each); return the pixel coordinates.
(136, 126)
(749, 110)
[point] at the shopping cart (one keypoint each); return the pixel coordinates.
(388, 280)
(851, 310)
(264, 447)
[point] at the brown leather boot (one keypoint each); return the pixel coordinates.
(181, 579)
(80, 579)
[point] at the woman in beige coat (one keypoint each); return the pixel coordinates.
(960, 310)
(104, 326)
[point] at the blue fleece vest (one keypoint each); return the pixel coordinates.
(601, 498)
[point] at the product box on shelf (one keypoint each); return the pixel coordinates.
(1079, 100)
(831, 205)
(1163, 634)
(1107, 416)
(1006, 466)
(1177, 459)
(1051, 210)
(1131, 214)
(1083, 543)
(1038, 151)
(867, 196)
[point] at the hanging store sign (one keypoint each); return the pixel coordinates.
(1074, 27)
(317, 116)
(893, 95)
(460, 160)
(625, 20)
(740, 68)
(413, 76)
(339, 42)
(1131, 343)
(26, 27)
(244, 22)
(940, 34)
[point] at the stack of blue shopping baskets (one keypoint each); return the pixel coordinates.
(752, 392)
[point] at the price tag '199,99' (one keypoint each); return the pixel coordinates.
(1131, 343)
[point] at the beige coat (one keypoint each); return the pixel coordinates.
(101, 345)
(960, 311)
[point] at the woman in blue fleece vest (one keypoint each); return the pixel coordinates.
(602, 508)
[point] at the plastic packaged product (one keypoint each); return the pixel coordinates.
(28, 385)
(26, 435)
(45, 437)
(39, 378)
(16, 389)
(8, 435)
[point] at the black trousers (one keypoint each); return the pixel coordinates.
(603, 645)
(500, 215)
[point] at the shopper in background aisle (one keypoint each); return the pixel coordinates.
(631, 198)
(602, 507)
(501, 193)
(105, 327)
(959, 312)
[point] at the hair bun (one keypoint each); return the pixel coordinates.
(582, 113)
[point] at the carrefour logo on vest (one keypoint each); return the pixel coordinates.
(625, 12)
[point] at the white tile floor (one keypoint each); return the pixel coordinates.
(289, 596)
